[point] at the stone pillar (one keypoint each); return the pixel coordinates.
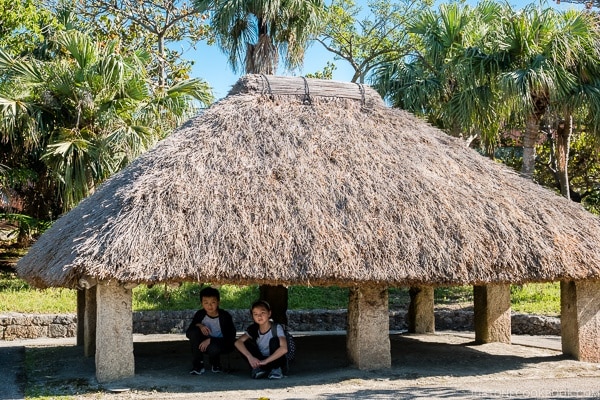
(277, 297)
(492, 313)
(368, 340)
(421, 315)
(89, 322)
(580, 319)
(114, 333)
(80, 316)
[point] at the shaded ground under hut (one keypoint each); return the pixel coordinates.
(294, 181)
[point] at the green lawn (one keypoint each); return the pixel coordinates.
(18, 296)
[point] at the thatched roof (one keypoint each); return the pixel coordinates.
(271, 185)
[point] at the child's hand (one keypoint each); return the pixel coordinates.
(204, 345)
(204, 329)
(254, 362)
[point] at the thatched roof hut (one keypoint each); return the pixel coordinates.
(341, 191)
(307, 182)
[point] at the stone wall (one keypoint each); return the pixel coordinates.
(27, 326)
(30, 326)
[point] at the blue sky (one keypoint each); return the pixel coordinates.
(211, 64)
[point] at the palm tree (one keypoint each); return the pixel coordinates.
(89, 111)
(439, 80)
(256, 33)
(581, 94)
(545, 53)
(479, 69)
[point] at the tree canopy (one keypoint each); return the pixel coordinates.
(256, 34)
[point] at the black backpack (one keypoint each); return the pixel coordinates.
(291, 343)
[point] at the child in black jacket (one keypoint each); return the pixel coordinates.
(211, 332)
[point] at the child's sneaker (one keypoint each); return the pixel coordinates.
(196, 371)
(276, 374)
(258, 373)
(217, 369)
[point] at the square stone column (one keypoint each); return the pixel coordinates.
(368, 340)
(421, 315)
(80, 316)
(114, 332)
(89, 322)
(580, 319)
(492, 313)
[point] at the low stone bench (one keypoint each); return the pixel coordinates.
(30, 326)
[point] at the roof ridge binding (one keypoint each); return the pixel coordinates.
(306, 88)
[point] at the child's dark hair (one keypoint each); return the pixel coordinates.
(261, 303)
(210, 292)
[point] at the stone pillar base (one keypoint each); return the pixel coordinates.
(580, 319)
(368, 340)
(114, 336)
(421, 315)
(492, 313)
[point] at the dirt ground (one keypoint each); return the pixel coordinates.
(445, 365)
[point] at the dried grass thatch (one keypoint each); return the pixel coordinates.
(270, 185)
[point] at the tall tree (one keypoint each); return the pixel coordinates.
(540, 50)
(88, 111)
(368, 40)
(438, 79)
(256, 34)
(21, 25)
(477, 71)
(581, 94)
(152, 25)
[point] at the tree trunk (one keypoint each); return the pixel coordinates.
(162, 73)
(530, 138)
(277, 297)
(563, 142)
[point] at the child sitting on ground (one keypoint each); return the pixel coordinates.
(211, 332)
(265, 350)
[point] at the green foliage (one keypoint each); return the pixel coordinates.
(17, 296)
(326, 73)
(367, 40)
(26, 228)
(536, 298)
(443, 77)
(583, 168)
(21, 26)
(453, 295)
(187, 297)
(88, 111)
(302, 297)
(150, 25)
(477, 72)
(256, 34)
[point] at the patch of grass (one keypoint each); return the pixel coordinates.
(306, 298)
(536, 298)
(453, 295)
(163, 297)
(17, 296)
(187, 297)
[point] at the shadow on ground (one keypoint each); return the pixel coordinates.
(162, 367)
